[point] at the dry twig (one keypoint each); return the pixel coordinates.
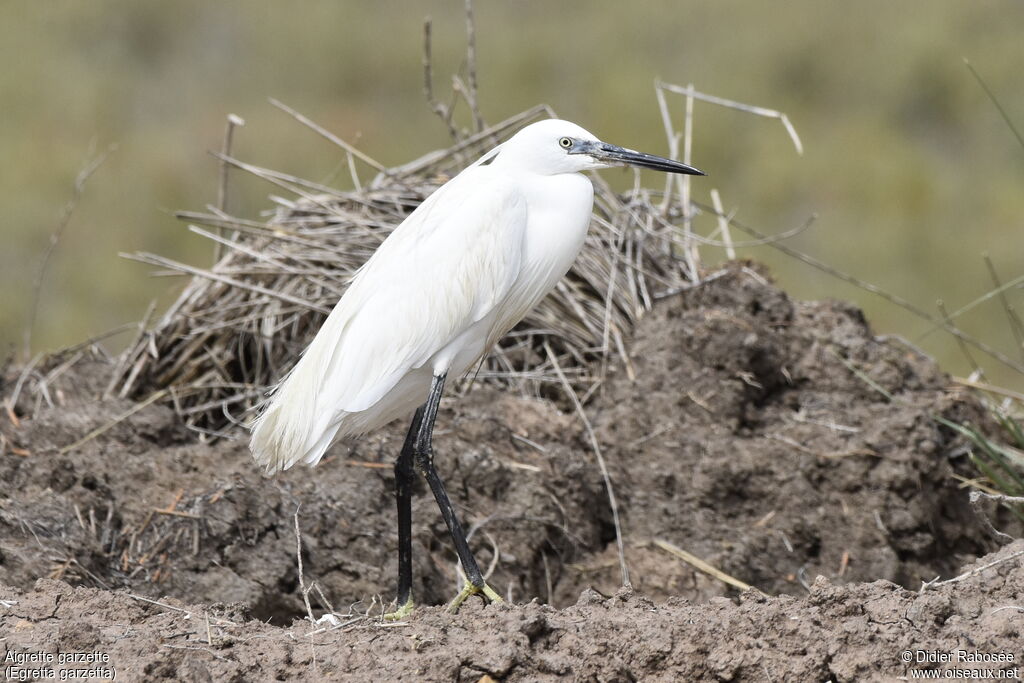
(935, 583)
(65, 216)
(701, 565)
(302, 580)
(238, 326)
(596, 447)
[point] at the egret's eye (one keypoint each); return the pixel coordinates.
(566, 143)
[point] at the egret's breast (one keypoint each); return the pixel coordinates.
(558, 215)
(559, 209)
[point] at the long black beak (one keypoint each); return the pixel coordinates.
(612, 154)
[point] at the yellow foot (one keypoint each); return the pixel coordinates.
(402, 612)
(469, 589)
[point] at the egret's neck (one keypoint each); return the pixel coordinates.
(559, 209)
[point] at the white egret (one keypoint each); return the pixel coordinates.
(456, 275)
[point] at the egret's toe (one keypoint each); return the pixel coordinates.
(402, 612)
(469, 589)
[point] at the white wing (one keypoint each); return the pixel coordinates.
(446, 267)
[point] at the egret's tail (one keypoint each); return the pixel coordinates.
(289, 429)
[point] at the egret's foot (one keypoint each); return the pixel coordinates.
(469, 589)
(402, 612)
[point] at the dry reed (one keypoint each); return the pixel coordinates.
(238, 326)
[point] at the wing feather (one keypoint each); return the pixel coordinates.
(446, 267)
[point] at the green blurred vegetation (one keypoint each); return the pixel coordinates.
(909, 166)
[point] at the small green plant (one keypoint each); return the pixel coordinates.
(1001, 463)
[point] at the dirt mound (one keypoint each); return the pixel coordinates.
(777, 440)
(781, 440)
(860, 632)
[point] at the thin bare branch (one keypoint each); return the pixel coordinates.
(471, 94)
(323, 132)
(65, 217)
(906, 305)
(689, 91)
(222, 189)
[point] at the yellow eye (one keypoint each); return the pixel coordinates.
(565, 143)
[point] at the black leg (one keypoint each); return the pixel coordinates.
(404, 475)
(425, 462)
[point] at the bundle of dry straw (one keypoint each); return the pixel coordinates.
(239, 325)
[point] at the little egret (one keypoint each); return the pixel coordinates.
(464, 267)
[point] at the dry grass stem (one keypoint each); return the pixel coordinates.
(935, 583)
(723, 225)
(470, 92)
(596, 447)
(238, 326)
(65, 217)
(1012, 319)
(225, 170)
(990, 388)
(975, 497)
(899, 301)
(999, 290)
(690, 92)
(976, 371)
(156, 396)
(701, 565)
(328, 135)
(298, 558)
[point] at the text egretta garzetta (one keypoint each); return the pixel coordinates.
(464, 267)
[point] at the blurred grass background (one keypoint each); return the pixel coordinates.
(909, 166)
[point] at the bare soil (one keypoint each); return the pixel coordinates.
(779, 441)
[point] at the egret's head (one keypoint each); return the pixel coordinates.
(555, 146)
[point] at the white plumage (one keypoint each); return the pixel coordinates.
(456, 275)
